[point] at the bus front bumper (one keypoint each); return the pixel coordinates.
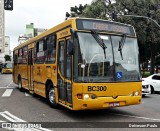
(105, 102)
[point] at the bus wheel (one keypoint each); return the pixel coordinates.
(51, 97)
(20, 84)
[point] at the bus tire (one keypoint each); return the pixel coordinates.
(20, 84)
(51, 97)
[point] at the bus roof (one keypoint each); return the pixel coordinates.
(60, 26)
(7, 62)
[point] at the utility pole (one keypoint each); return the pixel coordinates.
(2, 33)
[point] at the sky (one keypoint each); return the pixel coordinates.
(43, 13)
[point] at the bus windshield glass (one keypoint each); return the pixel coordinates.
(93, 66)
(7, 65)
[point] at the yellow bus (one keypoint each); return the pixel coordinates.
(81, 64)
(6, 67)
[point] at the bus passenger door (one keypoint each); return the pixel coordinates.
(64, 73)
(30, 70)
(15, 68)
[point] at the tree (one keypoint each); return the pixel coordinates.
(95, 10)
(7, 58)
(100, 9)
(76, 11)
(148, 33)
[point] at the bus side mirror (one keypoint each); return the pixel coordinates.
(72, 31)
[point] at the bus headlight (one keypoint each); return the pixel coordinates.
(132, 94)
(86, 96)
(136, 93)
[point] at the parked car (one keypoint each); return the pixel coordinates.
(146, 89)
(0, 67)
(6, 68)
(154, 81)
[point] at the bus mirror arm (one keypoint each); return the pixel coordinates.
(72, 31)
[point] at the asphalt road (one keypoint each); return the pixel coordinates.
(16, 106)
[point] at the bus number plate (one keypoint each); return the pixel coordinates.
(113, 104)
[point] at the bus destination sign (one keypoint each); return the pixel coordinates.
(105, 26)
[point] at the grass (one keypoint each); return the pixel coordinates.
(145, 74)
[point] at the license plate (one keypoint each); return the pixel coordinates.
(113, 104)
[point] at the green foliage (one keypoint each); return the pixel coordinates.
(76, 11)
(95, 10)
(145, 74)
(7, 58)
(100, 9)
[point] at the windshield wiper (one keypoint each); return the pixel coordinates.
(99, 41)
(121, 44)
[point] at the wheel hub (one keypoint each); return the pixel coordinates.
(52, 96)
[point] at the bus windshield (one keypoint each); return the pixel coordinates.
(7, 65)
(93, 65)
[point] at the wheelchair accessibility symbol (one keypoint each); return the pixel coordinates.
(119, 75)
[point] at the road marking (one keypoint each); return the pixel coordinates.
(8, 118)
(145, 118)
(11, 118)
(10, 83)
(14, 117)
(7, 93)
(7, 87)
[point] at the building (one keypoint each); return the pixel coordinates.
(30, 30)
(2, 39)
(2, 31)
(7, 46)
(30, 33)
(7, 50)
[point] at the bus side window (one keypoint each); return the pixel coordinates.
(40, 52)
(20, 54)
(15, 58)
(25, 54)
(50, 49)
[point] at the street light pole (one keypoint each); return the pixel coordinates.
(138, 16)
